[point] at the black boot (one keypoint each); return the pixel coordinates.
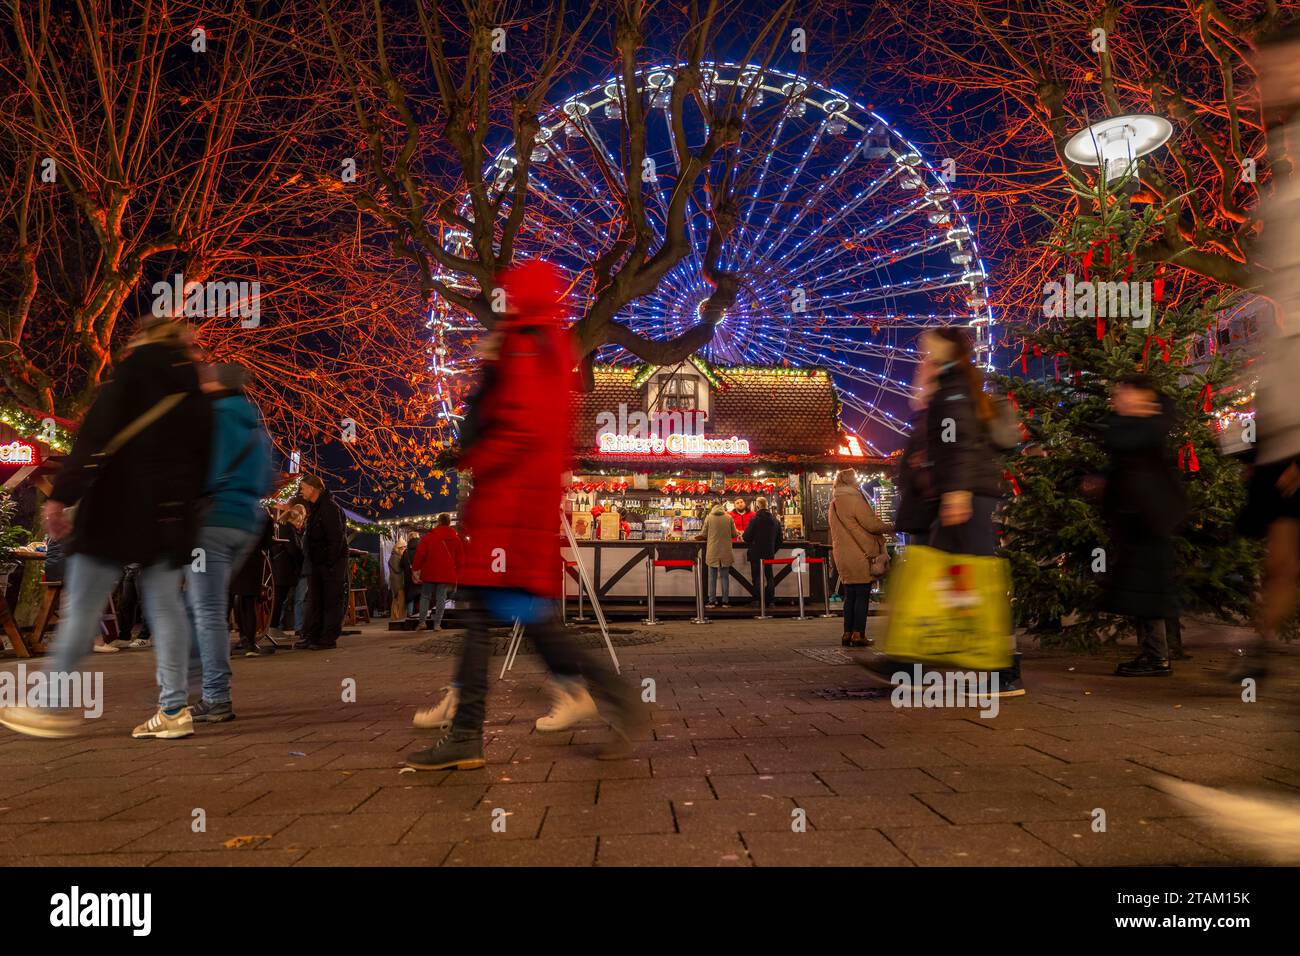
(1144, 666)
(1009, 683)
(459, 750)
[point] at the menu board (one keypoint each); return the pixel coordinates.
(582, 524)
(609, 522)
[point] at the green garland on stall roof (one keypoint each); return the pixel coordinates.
(25, 423)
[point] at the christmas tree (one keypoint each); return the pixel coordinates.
(1106, 314)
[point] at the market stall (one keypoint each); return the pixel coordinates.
(656, 448)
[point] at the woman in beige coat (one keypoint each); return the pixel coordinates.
(718, 531)
(855, 539)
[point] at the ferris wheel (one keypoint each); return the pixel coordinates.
(847, 241)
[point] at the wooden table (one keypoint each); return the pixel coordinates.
(6, 616)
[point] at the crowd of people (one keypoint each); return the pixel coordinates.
(178, 526)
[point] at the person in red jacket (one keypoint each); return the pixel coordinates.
(516, 441)
(437, 560)
(742, 516)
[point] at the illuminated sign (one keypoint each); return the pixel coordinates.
(18, 453)
(686, 446)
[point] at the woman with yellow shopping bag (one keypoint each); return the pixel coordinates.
(949, 601)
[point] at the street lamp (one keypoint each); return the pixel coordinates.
(1118, 143)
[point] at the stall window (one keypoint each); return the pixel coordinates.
(678, 393)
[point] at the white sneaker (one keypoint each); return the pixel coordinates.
(440, 716)
(568, 707)
(37, 722)
(166, 728)
(105, 649)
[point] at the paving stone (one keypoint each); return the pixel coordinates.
(339, 829)
(868, 811)
(1124, 844)
(681, 849)
(991, 844)
(546, 852)
(645, 815)
(816, 848)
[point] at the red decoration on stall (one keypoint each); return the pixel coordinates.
(1207, 397)
(1187, 460)
(1015, 485)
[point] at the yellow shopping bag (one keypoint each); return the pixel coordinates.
(949, 610)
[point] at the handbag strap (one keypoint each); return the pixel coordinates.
(159, 409)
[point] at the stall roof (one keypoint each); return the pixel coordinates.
(787, 415)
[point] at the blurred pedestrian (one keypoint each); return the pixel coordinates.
(516, 445)
(239, 475)
(963, 460)
(325, 545)
(719, 554)
(858, 546)
(1143, 503)
(762, 537)
(918, 505)
(136, 472)
(1272, 510)
(438, 558)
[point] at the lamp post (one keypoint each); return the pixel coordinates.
(1116, 144)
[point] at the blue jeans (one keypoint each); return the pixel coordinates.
(427, 589)
(723, 575)
(88, 583)
(206, 598)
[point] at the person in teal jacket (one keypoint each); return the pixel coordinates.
(239, 477)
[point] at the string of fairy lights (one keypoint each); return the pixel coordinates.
(840, 210)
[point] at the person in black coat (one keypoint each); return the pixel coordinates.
(1143, 503)
(136, 475)
(246, 590)
(326, 546)
(762, 538)
(286, 565)
(410, 586)
(966, 471)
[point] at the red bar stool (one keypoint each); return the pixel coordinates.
(761, 584)
(653, 561)
(564, 593)
(826, 584)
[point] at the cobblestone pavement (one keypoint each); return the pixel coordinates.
(754, 722)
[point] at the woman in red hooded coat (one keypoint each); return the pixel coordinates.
(522, 444)
(518, 446)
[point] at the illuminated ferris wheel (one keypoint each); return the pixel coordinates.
(847, 241)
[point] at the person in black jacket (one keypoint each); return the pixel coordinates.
(136, 473)
(286, 565)
(965, 467)
(1143, 503)
(762, 539)
(326, 546)
(917, 504)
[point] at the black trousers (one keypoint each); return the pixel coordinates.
(245, 609)
(326, 599)
(279, 601)
(563, 657)
(757, 567)
(1152, 638)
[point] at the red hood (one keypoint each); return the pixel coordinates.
(534, 293)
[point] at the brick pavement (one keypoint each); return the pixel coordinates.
(747, 731)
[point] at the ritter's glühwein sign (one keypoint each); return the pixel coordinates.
(672, 433)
